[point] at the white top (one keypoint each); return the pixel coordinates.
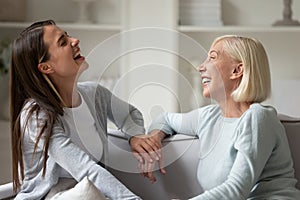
(78, 120)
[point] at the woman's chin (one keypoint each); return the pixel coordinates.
(206, 94)
(84, 66)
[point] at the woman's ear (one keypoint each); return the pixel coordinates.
(238, 71)
(45, 68)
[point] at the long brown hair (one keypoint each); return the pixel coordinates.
(27, 82)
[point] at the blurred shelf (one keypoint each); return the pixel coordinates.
(70, 26)
(182, 28)
(100, 27)
(268, 29)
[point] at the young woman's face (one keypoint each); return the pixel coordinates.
(65, 59)
(216, 72)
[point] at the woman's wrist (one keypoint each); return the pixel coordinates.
(159, 133)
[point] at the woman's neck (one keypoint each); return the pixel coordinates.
(71, 98)
(69, 93)
(232, 109)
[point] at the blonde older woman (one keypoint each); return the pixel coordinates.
(244, 152)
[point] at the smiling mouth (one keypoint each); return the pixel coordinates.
(77, 56)
(205, 80)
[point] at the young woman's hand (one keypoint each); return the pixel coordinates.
(147, 150)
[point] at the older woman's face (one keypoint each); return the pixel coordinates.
(216, 72)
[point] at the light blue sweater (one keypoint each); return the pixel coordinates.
(239, 158)
(64, 154)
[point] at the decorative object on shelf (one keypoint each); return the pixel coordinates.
(287, 16)
(84, 17)
(12, 10)
(200, 12)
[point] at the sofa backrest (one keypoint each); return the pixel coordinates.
(292, 128)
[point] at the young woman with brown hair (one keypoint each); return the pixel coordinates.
(45, 66)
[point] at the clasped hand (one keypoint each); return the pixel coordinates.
(147, 150)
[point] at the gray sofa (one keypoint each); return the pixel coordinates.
(180, 180)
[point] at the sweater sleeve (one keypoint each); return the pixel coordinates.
(254, 144)
(76, 161)
(125, 116)
(173, 123)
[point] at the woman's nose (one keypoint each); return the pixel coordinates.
(201, 68)
(74, 42)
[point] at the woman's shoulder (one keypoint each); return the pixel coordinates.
(262, 115)
(28, 105)
(212, 109)
(261, 112)
(90, 86)
(94, 92)
(206, 113)
(87, 84)
(33, 112)
(32, 117)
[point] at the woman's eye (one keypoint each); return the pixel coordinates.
(65, 39)
(211, 57)
(64, 43)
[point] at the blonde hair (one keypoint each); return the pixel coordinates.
(255, 85)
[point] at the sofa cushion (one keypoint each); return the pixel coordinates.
(85, 189)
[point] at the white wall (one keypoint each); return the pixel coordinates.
(147, 80)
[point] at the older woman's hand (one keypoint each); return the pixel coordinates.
(147, 150)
